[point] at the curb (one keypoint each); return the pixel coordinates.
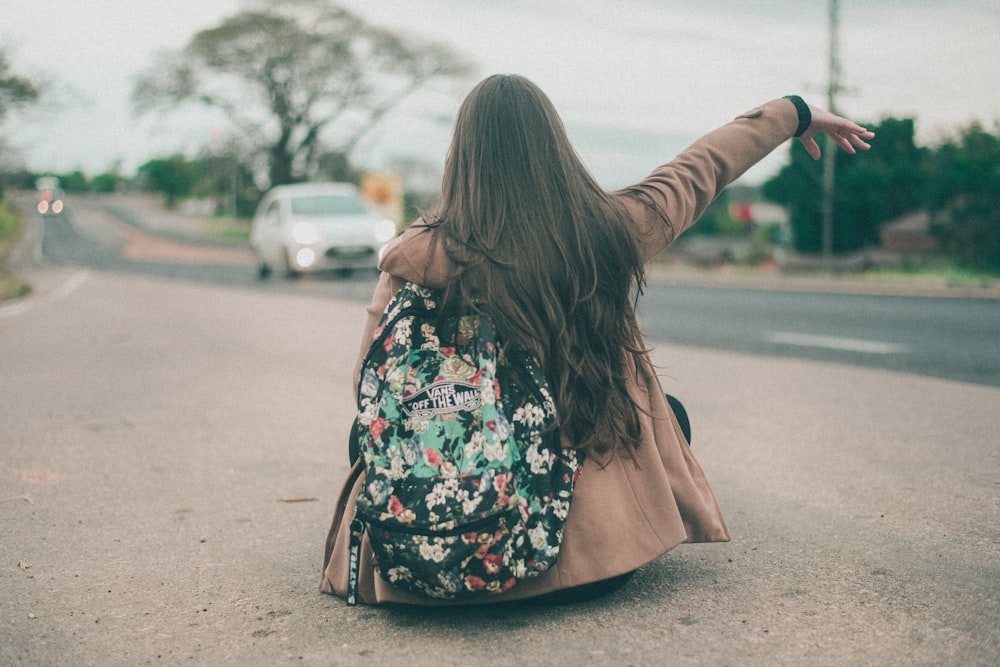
(677, 272)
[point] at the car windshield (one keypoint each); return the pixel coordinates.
(327, 205)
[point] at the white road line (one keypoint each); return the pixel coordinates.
(16, 308)
(834, 343)
(71, 284)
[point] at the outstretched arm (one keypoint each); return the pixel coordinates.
(675, 195)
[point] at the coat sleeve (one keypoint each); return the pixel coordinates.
(674, 195)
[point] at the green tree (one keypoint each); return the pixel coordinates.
(106, 182)
(965, 194)
(16, 92)
(798, 187)
(294, 71)
(716, 220)
(871, 188)
(174, 177)
(75, 182)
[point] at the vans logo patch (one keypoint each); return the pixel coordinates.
(440, 398)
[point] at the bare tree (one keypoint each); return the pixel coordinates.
(294, 73)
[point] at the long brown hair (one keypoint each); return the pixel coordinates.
(532, 234)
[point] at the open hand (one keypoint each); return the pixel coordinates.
(845, 133)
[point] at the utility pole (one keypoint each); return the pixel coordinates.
(829, 158)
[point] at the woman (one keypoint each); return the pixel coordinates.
(522, 224)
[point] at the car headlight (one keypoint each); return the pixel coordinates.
(305, 233)
(305, 257)
(384, 230)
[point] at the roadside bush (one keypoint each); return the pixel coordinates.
(11, 287)
(716, 220)
(762, 243)
(104, 183)
(20, 179)
(174, 177)
(10, 227)
(75, 182)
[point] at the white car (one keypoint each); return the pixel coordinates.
(50, 195)
(310, 227)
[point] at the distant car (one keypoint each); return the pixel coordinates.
(50, 195)
(312, 227)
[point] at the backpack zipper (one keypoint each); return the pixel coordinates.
(354, 561)
(469, 527)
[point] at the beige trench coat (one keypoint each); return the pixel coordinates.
(629, 512)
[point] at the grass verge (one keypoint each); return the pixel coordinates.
(11, 285)
(233, 234)
(951, 276)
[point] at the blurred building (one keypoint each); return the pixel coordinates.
(908, 234)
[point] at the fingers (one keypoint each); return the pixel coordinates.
(844, 142)
(845, 133)
(859, 139)
(852, 133)
(809, 141)
(850, 139)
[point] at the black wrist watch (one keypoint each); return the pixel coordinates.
(805, 115)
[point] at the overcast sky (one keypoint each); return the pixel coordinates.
(635, 80)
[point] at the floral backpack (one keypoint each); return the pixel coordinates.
(466, 486)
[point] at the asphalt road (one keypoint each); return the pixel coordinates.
(952, 338)
(171, 450)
